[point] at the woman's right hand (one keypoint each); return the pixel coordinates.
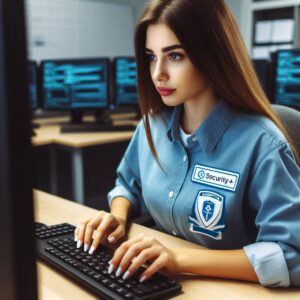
(104, 225)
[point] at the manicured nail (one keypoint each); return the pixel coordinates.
(75, 238)
(142, 279)
(110, 269)
(111, 239)
(86, 247)
(92, 249)
(119, 271)
(78, 244)
(125, 276)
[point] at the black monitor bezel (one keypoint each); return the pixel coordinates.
(114, 101)
(92, 59)
(276, 55)
(17, 255)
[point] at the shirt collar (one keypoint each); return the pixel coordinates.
(209, 132)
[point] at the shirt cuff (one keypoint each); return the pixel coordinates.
(268, 261)
(120, 191)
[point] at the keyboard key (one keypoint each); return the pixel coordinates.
(138, 292)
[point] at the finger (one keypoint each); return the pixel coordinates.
(81, 233)
(89, 231)
(107, 222)
(132, 252)
(75, 234)
(141, 259)
(119, 253)
(158, 264)
(117, 234)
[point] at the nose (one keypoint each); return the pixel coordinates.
(159, 72)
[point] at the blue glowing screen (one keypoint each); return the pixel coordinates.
(75, 84)
(287, 89)
(125, 81)
(32, 85)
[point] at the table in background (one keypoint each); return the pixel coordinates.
(49, 134)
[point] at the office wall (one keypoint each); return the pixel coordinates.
(235, 6)
(79, 28)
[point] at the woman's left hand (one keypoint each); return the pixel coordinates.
(137, 251)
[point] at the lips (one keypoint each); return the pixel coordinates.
(165, 91)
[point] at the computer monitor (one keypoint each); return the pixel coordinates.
(287, 78)
(125, 82)
(265, 72)
(33, 85)
(75, 84)
(17, 255)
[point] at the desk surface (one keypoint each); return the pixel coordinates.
(53, 285)
(49, 133)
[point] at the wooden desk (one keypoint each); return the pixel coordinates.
(49, 134)
(53, 285)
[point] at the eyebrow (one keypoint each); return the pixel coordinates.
(166, 49)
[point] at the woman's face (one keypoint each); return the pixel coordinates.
(172, 72)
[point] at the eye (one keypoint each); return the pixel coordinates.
(175, 56)
(150, 57)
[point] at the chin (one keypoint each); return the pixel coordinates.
(171, 102)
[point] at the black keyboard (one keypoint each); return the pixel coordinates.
(94, 127)
(55, 245)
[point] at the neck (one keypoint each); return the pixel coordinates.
(196, 111)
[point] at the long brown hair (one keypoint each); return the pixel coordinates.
(210, 36)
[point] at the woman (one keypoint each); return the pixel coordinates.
(210, 161)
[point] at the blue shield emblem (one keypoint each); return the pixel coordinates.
(208, 214)
(208, 210)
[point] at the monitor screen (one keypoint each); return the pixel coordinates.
(33, 85)
(125, 81)
(287, 82)
(75, 84)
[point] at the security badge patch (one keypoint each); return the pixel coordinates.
(215, 177)
(208, 214)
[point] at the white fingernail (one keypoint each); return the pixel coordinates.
(75, 238)
(119, 271)
(110, 269)
(78, 244)
(125, 276)
(111, 239)
(143, 279)
(92, 249)
(86, 247)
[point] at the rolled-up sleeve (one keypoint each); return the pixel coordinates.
(128, 183)
(274, 195)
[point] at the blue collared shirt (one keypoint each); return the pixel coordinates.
(235, 185)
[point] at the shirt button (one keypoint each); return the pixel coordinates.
(194, 139)
(171, 194)
(174, 232)
(184, 158)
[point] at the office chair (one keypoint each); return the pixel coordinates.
(291, 120)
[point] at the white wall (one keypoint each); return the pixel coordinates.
(79, 28)
(69, 34)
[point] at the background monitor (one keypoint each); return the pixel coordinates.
(265, 72)
(287, 78)
(17, 253)
(75, 84)
(33, 84)
(125, 81)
